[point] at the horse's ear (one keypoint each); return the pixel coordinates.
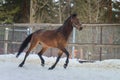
(74, 15)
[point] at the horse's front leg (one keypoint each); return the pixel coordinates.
(67, 59)
(58, 58)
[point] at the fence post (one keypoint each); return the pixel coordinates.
(100, 43)
(73, 47)
(6, 43)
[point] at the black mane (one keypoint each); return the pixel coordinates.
(73, 15)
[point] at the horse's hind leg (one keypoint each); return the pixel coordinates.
(34, 44)
(58, 58)
(21, 64)
(40, 55)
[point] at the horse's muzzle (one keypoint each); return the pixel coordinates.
(80, 28)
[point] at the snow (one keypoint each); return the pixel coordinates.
(32, 70)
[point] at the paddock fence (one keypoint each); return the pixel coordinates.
(94, 42)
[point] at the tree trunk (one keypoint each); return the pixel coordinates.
(110, 11)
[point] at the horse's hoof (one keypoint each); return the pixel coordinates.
(51, 68)
(42, 65)
(21, 65)
(65, 66)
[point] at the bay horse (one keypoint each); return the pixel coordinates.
(57, 38)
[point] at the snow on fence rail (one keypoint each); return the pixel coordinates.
(94, 42)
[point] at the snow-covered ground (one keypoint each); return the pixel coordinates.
(32, 70)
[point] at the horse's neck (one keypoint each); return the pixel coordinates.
(67, 29)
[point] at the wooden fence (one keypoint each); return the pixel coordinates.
(94, 42)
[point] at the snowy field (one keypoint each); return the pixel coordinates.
(32, 70)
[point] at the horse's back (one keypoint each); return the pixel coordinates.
(50, 38)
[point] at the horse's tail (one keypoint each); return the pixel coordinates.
(24, 44)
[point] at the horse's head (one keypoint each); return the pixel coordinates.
(75, 22)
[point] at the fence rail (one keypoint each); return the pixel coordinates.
(94, 42)
(55, 25)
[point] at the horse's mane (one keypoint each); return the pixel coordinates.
(73, 15)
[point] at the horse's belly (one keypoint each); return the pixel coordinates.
(49, 43)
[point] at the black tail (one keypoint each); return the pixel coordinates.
(24, 44)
